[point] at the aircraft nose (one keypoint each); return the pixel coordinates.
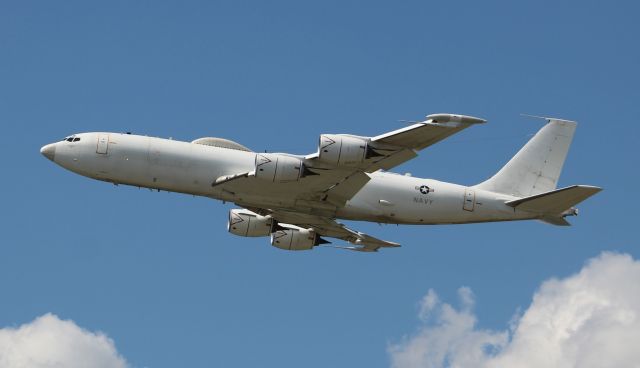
(49, 151)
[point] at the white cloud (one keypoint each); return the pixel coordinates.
(590, 319)
(51, 342)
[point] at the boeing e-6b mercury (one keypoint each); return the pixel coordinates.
(296, 199)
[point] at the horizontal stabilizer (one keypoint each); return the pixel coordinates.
(556, 201)
(555, 220)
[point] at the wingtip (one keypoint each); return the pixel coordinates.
(595, 189)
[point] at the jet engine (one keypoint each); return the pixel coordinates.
(246, 223)
(278, 168)
(342, 150)
(295, 238)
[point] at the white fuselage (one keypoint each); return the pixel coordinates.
(192, 168)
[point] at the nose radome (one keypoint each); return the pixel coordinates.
(49, 151)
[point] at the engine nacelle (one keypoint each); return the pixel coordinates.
(246, 223)
(278, 168)
(342, 150)
(295, 239)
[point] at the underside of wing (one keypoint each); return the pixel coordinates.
(328, 227)
(342, 191)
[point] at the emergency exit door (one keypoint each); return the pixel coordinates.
(469, 200)
(103, 144)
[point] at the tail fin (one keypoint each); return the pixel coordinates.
(536, 167)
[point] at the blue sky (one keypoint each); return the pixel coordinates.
(158, 273)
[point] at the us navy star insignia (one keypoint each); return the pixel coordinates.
(424, 189)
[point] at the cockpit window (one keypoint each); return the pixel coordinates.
(71, 139)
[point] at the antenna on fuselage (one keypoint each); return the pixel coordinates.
(535, 116)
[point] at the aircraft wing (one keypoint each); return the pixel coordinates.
(334, 185)
(329, 227)
(392, 149)
(419, 136)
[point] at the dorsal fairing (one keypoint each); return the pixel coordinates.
(220, 142)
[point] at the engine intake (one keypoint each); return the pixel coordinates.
(246, 223)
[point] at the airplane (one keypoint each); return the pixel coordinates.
(296, 199)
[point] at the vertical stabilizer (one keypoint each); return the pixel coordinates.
(536, 167)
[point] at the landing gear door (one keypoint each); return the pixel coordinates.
(469, 200)
(103, 144)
